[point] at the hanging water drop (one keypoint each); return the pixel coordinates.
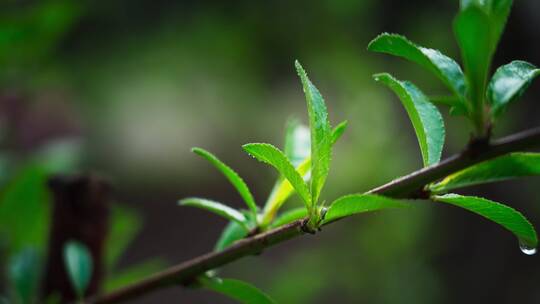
(528, 250)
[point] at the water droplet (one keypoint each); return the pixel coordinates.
(528, 250)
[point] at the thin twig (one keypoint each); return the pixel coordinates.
(409, 186)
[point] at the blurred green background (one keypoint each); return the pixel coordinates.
(126, 88)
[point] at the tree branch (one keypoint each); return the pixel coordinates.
(409, 186)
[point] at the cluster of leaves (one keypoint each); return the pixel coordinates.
(478, 27)
(303, 167)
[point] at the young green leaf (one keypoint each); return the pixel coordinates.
(443, 100)
(79, 266)
(232, 176)
(283, 189)
(237, 290)
(500, 9)
(501, 168)
(457, 106)
(473, 34)
(445, 68)
(338, 131)
(478, 28)
(297, 142)
(508, 83)
(297, 149)
(289, 216)
(358, 203)
(426, 119)
(217, 208)
(281, 192)
(321, 134)
(271, 155)
(232, 233)
(501, 214)
(497, 10)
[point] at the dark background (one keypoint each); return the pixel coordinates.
(135, 84)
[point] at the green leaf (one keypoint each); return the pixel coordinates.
(232, 233)
(508, 83)
(501, 214)
(281, 192)
(501, 168)
(289, 216)
(497, 10)
(271, 155)
(132, 274)
(473, 34)
(426, 119)
(338, 131)
(321, 134)
(217, 208)
(78, 263)
(443, 100)
(232, 176)
(237, 290)
(24, 274)
(358, 203)
(297, 149)
(457, 107)
(297, 142)
(500, 9)
(283, 189)
(478, 28)
(445, 68)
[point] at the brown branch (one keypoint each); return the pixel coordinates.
(476, 151)
(409, 186)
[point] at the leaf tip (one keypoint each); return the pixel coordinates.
(297, 65)
(373, 42)
(343, 125)
(247, 146)
(300, 70)
(188, 201)
(381, 76)
(339, 130)
(197, 150)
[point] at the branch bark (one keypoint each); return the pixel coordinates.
(409, 186)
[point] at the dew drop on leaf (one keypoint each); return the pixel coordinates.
(528, 250)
